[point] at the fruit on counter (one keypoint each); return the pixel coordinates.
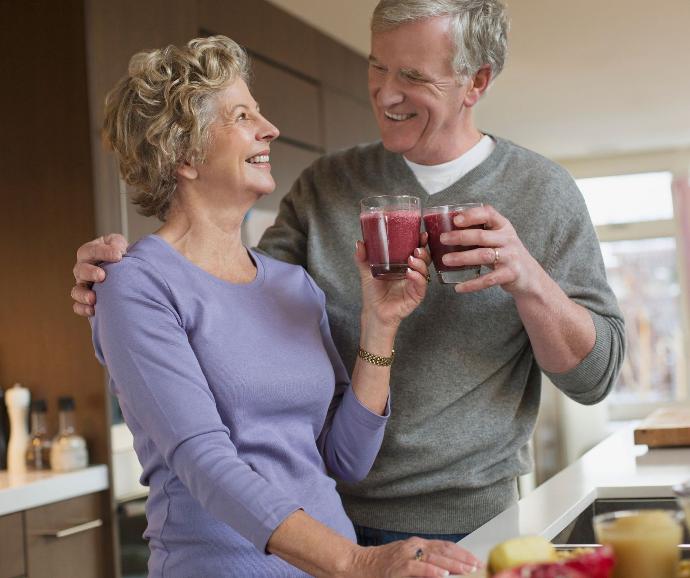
(595, 564)
(582, 563)
(520, 551)
(546, 570)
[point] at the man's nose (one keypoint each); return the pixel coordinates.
(390, 92)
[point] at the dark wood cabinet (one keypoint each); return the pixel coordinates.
(66, 539)
(12, 563)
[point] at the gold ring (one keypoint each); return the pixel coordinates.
(428, 278)
(419, 555)
(497, 256)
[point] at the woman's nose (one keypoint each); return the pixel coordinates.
(268, 131)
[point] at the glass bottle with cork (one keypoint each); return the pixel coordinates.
(68, 451)
(38, 450)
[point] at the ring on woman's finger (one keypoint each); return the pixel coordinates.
(497, 256)
(419, 555)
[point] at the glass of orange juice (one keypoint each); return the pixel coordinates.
(644, 542)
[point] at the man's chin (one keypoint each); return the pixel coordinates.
(396, 145)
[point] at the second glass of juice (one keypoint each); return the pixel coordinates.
(390, 228)
(644, 542)
(682, 492)
(439, 220)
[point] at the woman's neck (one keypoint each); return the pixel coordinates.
(213, 242)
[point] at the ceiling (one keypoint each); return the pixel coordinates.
(583, 79)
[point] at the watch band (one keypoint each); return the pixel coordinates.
(376, 359)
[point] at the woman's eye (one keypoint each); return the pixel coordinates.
(242, 116)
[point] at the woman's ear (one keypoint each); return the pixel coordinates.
(187, 171)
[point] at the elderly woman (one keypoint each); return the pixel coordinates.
(221, 357)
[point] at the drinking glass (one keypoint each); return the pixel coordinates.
(644, 542)
(390, 228)
(439, 220)
(682, 492)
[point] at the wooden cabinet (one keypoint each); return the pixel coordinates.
(12, 564)
(65, 539)
(61, 540)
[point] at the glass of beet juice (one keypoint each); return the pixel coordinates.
(439, 220)
(390, 228)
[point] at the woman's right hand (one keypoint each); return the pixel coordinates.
(110, 249)
(414, 557)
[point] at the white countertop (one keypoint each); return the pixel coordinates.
(616, 468)
(34, 489)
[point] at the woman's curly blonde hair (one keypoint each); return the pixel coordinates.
(158, 115)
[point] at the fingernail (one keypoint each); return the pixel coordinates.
(444, 573)
(459, 218)
(417, 252)
(443, 238)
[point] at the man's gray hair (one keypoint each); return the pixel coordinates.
(478, 28)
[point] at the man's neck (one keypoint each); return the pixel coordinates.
(459, 147)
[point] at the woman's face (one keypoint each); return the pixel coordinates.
(237, 161)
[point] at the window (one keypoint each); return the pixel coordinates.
(634, 218)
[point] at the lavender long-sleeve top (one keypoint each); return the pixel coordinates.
(238, 403)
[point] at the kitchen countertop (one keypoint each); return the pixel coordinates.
(34, 489)
(615, 468)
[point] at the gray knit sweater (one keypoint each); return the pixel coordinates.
(465, 386)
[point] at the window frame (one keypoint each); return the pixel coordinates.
(677, 163)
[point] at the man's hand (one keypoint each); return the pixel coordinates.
(560, 330)
(110, 249)
(498, 247)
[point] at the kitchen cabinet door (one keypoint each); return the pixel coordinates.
(66, 539)
(12, 546)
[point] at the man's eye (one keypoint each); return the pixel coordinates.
(414, 78)
(378, 67)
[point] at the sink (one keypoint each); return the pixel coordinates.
(581, 530)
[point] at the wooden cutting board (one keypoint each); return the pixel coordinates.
(665, 427)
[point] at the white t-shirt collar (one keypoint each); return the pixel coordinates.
(435, 178)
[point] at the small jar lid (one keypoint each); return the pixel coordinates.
(66, 403)
(39, 405)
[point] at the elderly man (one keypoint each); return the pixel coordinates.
(466, 379)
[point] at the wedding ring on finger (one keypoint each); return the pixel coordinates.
(419, 555)
(497, 256)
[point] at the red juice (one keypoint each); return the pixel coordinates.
(436, 223)
(390, 236)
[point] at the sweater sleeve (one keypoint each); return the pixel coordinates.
(576, 264)
(352, 434)
(166, 400)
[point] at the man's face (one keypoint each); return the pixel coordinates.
(416, 96)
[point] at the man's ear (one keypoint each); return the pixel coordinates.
(187, 171)
(478, 85)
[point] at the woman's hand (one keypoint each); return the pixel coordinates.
(414, 557)
(389, 302)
